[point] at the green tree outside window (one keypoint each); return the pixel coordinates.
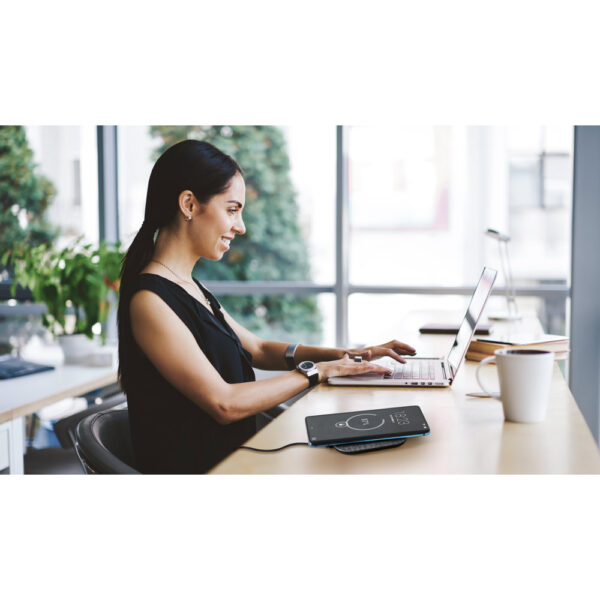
(25, 195)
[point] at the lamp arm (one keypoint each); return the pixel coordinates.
(511, 285)
(501, 244)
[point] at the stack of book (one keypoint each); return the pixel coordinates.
(481, 347)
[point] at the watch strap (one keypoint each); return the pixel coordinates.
(313, 378)
(289, 356)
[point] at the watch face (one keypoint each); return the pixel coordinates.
(306, 365)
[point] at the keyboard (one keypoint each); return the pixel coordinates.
(17, 367)
(423, 370)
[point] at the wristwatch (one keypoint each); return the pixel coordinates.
(309, 369)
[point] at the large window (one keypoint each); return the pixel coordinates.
(413, 202)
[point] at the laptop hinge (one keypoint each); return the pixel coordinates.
(444, 370)
(451, 369)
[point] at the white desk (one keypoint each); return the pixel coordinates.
(23, 396)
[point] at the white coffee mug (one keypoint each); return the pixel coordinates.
(525, 377)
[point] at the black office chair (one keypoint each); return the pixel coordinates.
(104, 443)
(64, 460)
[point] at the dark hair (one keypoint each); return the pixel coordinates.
(190, 165)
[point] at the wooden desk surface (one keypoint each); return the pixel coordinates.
(468, 435)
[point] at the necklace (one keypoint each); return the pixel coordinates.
(204, 299)
(169, 269)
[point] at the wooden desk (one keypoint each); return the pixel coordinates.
(23, 396)
(468, 435)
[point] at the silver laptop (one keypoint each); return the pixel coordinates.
(434, 372)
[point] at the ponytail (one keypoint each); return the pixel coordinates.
(139, 254)
(137, 257)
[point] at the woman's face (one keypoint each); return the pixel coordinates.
(220, 220)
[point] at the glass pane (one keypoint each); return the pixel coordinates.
(524, 140)
(48, 184)
(557, 180)
(524, 182)
(421, 199)
(404, 189)
(540, 248)
(289, 318)
(135, 161)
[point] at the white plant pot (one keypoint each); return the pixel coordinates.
(77, 348)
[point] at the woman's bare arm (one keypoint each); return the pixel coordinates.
(173, 350)
(270, 355)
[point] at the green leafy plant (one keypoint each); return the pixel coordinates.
(79, 276)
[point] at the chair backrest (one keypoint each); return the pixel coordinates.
(104, 443)
(65, 428)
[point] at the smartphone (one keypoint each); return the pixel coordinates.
(366, 425)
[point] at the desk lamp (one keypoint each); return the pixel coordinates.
(511, 301)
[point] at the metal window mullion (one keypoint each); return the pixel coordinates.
(553, 291)
(341, 238)
(108, 203)
(242, 288)
(108, 196)
(303, 288)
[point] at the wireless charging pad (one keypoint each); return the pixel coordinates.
(359, 447)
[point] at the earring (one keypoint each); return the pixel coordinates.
(188, 218)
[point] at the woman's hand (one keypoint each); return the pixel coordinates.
(393, 349)
(347, 366)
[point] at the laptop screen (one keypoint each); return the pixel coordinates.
(472, 316)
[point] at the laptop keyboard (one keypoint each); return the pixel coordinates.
(423, 370)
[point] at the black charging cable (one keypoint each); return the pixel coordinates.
(351, 448)
(273, 449)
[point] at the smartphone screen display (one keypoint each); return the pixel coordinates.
(365, 425)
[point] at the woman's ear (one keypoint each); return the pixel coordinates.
(188, 205)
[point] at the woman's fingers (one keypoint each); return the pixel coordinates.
(347, 366)
(365, 367)
(396, 346)
(384, 351)
(395, 355)
(401, 348)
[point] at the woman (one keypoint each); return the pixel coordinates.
(184, 363)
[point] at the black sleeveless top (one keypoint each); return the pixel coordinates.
(171, 434)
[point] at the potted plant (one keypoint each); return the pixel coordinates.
(74, 283)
